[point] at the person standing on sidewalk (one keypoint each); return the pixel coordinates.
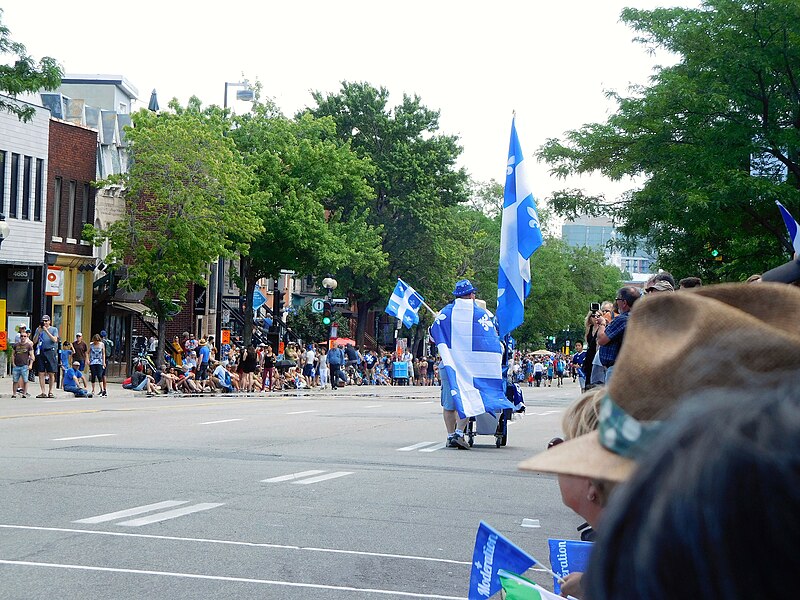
(23, 362)
(79, 350)
(45, 341)
(97, 362)
(610, 337)
(335, 360)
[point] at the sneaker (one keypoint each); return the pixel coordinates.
(89, 395)
(451, 443)
(460, 442)
(13, 395)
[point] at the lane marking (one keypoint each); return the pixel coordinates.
(121, 514)
(426, 402)
(84, 437)
(301, 412)
(232, 579)
(224, 421)
(170, 514)
(151, 536)
(318, 478)
(64, 400)
(374, 406)
(414, 447)
(439, 446)
(544, 414)
(299, 475)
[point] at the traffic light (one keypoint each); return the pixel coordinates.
(327, 312)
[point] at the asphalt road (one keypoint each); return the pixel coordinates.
(324, 495)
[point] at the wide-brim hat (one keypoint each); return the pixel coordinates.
(463, 287)
(728, 336)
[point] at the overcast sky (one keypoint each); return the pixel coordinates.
(475, 62)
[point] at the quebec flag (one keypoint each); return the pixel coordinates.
(405, 304)
(471, 358)
(520, 236)
(791, 226)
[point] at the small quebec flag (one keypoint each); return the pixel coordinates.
(405, 304)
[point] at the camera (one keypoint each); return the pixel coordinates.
(594, 306)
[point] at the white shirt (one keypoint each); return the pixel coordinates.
(310, 356)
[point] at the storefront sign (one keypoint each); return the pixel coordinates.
(54, 282)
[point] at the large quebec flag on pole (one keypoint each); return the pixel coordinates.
(520, 236)
(405, 303)
(471, 358)
(792, 227)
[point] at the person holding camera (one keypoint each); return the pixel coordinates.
(45, 342)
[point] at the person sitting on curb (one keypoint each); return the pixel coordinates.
(221, 378)
(75, 382)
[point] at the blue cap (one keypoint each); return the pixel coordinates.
(103, 333)
(464, 288)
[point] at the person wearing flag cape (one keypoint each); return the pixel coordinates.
(471, 370)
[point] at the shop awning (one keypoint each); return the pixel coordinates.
(136, 307)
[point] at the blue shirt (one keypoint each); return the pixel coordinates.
(71, 377)
(204, 353)
(614, 332)
(335, 356)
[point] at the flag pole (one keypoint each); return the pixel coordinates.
(433, 312)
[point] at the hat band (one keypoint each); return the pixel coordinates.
(622, 434)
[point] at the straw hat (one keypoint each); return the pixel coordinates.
(727, 336)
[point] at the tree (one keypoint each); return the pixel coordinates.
(24, 75)
(189, 198)
(415, 184)
(716, 137)
(301, 165)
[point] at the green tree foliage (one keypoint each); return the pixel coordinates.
(416, 184)
(24, 74)
(189, 198)
(731, 103)
(303, 168)
(308, 325)
(564, 280)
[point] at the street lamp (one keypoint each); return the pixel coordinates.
(246, 94)
(330, 284)
(5, 231)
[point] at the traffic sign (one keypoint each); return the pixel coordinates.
(317, 304)
(259, 299)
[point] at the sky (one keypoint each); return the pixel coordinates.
(476, 63)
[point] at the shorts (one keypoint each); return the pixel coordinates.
(97, 372)
(46, 362)
(308, 370)
(448, 402)
(19, 373)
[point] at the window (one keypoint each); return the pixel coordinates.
(71, 211)
(57, 207)
(37, 206)
(2, 181)
(26, 188)
(14, 196)
(85, 205)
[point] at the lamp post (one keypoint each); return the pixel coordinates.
(5, 230)
(246, 94)
(330, 284)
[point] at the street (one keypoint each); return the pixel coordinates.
(322, 494)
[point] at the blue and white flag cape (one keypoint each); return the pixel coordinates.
(520, 236)
(471, 355)
(405, 304)
(492, 553)
(792, 226)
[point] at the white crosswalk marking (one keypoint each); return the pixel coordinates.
(439, 446)
(84, 437)
(301, 412)
(121, 514)
(224, 421)
(415, 447)
(292, 476)
(170, 514)
(325, 477)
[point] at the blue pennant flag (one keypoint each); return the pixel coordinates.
(568, 556)
(471, 358)
(405, 304)
(520, 236)
(792, 226)
(492, 553)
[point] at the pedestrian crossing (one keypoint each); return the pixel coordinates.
(424, 447)
(307, 477)
(150, 508)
